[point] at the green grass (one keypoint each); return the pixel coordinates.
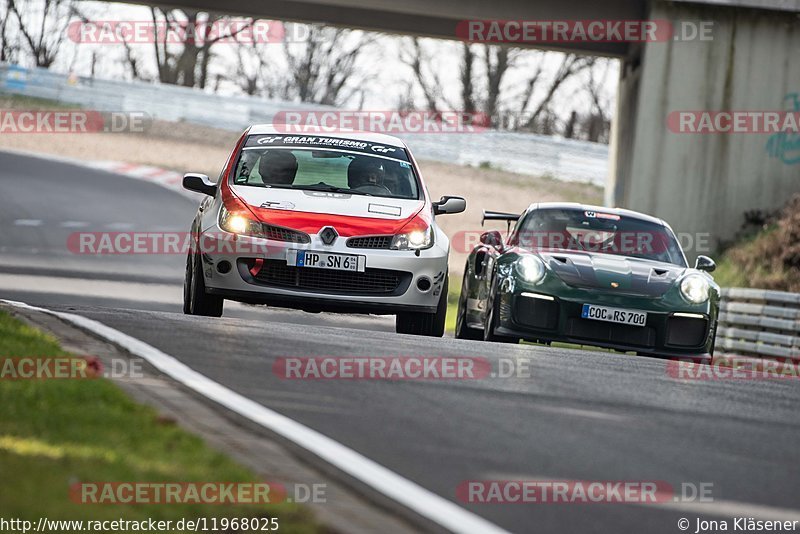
(54, 433)
(454, 290)
(755, 260)
(729, 274)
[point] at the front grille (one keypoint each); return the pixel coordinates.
(374, 241)
(279, 233)
(621, 334)
(371, 282)
(686, 331)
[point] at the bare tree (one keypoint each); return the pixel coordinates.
(484, 69)
(467, 75)
(43, 33)
(8, 47)
(427, 77)
(497, 61)
(597, 124)
(571, 65)
(324, 70)
(195, 30)
(251, 70)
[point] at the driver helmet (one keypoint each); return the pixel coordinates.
(365, 171)
(278, 167)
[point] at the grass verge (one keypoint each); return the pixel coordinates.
(54, 433)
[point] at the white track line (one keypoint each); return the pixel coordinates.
(425, 503)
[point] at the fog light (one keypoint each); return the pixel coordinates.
(423, 284)
(224, 267)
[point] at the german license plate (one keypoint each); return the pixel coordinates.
(614, 315)
(326, 260)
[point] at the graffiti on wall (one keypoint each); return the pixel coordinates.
(785, 146)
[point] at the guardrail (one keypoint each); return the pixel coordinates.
(759, 322)
(524, 153)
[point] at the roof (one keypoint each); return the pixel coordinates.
(339, 133)
(602, 209)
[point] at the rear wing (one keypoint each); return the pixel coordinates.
(500, 216)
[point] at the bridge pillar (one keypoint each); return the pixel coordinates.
(706, 182)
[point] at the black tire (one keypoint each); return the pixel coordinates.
(462, 330)
(425, 324)
(195, 299)
(713, 341)
(490, 323)
(187, 285)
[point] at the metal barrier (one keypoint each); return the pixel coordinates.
(759, 322)
(524, 153)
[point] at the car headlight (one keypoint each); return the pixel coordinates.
(239, 224)
(694, 288)
(413, 240)
(530, 268)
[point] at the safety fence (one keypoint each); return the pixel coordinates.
(759, 323)
(524, 153)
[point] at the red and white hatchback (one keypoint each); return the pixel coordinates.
(317, 222)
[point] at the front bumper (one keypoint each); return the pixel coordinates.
(537, 315)
(256, 271)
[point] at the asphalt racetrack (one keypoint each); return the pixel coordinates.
(579, 416)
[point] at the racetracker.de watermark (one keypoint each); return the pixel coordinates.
(624, 242)
(734, 367)
(73, 121)
(583, 31)
(734, 122)
(379, 121)
(67, 368)
(581, 492)
(180, 243)
(220, 31)
(399, 368)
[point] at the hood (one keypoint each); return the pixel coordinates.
(602, 271)
(310, 211)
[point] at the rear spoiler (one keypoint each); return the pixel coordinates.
(500, 216)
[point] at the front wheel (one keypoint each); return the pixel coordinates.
(424, 324)
(463, 331)
(490, 323)
(195, 299)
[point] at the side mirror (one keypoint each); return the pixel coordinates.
(448, 204)
(199, 183)
(492, 239)
(704, 263)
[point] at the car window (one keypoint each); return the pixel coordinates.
(314, 169)
(591, 231)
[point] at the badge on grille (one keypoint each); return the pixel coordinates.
(328, 235)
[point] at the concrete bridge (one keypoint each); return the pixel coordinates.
(698, 182)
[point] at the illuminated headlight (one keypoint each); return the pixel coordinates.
(239, 224)
(530, 268)
(694, 288)
(414, 240)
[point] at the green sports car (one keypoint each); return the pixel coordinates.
(589, 275)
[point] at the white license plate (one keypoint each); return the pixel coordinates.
(614, 315)
(326, 260)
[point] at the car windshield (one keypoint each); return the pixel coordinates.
(326, 170)
(595, 231)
